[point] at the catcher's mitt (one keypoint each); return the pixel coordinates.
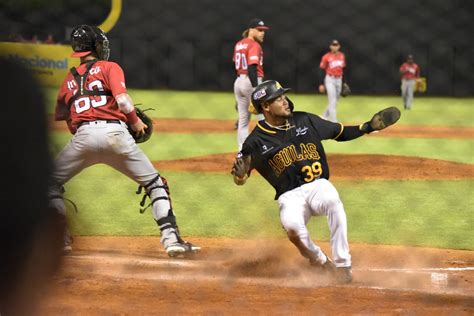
(420, 85)
(147, 121)
(346, 90)
(241, 168)
(382, 119)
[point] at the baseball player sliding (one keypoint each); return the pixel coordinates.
(248, 61)
(286, 149)
(331, 79)
(93, 100)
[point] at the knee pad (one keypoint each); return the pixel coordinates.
(157, 189)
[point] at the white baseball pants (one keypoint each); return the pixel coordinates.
(333, 87)
(242, 91)
(110, 144)
(408, 89)
(317, 198)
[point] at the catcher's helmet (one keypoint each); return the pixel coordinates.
(86, 39)
(267, 91)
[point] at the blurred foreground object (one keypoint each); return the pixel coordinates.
(30, 233)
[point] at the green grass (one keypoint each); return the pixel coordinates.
(168, 146)
(458, 150)
(425, 213)
(354, 109)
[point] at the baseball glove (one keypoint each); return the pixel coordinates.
(147, 121)
(241, 168)
(346, 90)
(420, 85)
(381, 120)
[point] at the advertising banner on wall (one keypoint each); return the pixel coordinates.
(50, 63)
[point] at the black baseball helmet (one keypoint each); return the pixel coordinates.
(86, 39)
(267, 91)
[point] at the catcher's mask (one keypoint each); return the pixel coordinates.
(86, 39)
(267, 91)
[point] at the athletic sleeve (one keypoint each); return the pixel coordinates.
(252, 73)
(402, 68)
(254, 53)
(326, 129)
(248, 150)
(61, 112)
(336, 131)
(349, 133)
(324, 63)
(116, 79)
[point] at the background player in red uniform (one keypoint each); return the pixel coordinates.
(93, 100)
(331, 78)
(248, 61)
(409, 72)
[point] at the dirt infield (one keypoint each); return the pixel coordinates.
(227, 126)
(343, 166)
(133, 276)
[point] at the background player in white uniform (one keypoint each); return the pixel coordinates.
(248, 61)
(93, 100)
(286, 149)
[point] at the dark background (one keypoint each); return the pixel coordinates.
(188, 44)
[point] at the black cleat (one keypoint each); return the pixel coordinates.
(182, 249)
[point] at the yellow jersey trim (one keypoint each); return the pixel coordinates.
(342, 128)
(264, 129)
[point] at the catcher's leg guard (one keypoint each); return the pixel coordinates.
(56, 202)
(158, 191)
(171, 239)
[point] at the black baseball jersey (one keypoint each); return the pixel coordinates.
(290, 158)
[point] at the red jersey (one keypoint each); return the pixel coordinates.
(248, 52)
(409, 71)
(333, 63)
(103, 76)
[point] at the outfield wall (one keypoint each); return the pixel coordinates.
(49, 63)
(187, 44)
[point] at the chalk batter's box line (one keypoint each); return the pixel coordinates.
(415, 270)
(199, 264)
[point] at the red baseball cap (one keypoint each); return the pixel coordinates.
(81, 54)
(258, 24)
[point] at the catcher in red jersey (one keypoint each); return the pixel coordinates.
(248, 61)
(94, 102)
(331, 78)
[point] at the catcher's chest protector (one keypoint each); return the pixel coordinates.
(81, 80)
